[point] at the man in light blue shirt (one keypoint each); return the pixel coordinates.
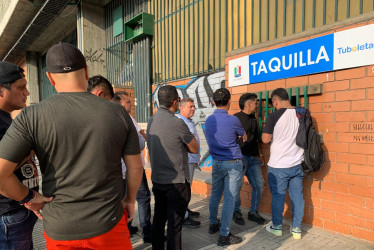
(187, 111)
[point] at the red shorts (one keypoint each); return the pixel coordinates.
(117, 238)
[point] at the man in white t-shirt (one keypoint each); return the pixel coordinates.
(143, 196)
(284, 169)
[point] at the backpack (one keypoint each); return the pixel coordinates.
(308, 139)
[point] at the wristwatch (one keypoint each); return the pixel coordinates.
(28, 198)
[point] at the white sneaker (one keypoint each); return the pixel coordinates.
(276, 230)
(296, 232)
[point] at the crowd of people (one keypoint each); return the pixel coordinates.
(88, 147)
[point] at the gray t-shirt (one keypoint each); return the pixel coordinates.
(79, 140)
(167, 136)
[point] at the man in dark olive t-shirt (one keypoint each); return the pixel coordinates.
(80, 140)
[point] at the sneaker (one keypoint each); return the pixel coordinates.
(296, 232)
(188, 222)
(228, 240)
(214, 228)
(256, 217)
(193, 214)
(133, 230)
(237, 217)
(276, 230)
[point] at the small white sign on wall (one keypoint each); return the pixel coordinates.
(239, 71)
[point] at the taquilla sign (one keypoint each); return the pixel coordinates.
(345, 49)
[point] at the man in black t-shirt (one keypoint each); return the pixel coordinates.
(17, 222)
(252, 158)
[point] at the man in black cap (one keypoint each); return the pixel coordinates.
(79, 140)
(16, 222)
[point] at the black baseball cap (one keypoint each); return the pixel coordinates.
(64, 58)
(10, 72)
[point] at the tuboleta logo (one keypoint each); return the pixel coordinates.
(238, 71)
(358, 47)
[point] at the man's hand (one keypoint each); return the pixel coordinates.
(130, 208)
(245, 138)
(37, 204)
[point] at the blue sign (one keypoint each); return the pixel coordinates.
(308, 57)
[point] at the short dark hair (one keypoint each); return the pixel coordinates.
(116, 98)
(166, 95)
(245, 97)
(122, 93)
(221, 97)
(100, 81)
(281, 93)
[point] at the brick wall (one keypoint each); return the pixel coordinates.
(340, 197)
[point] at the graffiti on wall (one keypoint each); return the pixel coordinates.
(94, 56)
(201, 90)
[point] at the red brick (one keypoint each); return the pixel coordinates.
(357, 127)
(281, 83)
(350, 116)
(315, 108)
(362, 83)
(335, 187)
(362, 233)
(329, 137)
(239, 89)
(322, 175)
(235, 98)
(336, 147)
(370, 93)
(363, 105)
(321, 78)
(338, 167)
(336, 86)
(351, 158)
(351, 179)
(352, 201)
(324, 214)
(363, 212)
(336, 127)
(370, 225)
(256, 87)
(323, 117)
(369, 203)
(370, 116)
(361, 191)
(370, 70)
(335, 206)
(311, 220)
(350, 73)
(322, 194)
(351, 95)
(314, 202)
(296, 81)
(330, 156)
(336, 106)
(361, 148)
(370, 160)
(337, 227)
(325, 97)
(361, 170)
(370, 182)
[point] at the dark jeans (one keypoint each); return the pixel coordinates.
(253, 172)
(16, 229)
(143, 197)
(171, 201)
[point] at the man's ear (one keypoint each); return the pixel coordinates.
(100, 93)
(50, 78)
(2, 91)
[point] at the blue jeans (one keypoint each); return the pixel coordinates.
(16, 229)
(253, 172)
(279, 179)
(226, 178)
(143, 197)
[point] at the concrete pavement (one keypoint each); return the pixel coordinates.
(254, 236)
